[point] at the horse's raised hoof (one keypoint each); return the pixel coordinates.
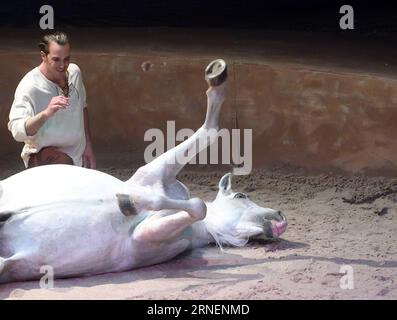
(216, 73)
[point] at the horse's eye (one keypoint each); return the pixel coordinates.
(240, 196)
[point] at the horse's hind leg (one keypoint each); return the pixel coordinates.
(168, 165)
(18, 267)
(2, 264)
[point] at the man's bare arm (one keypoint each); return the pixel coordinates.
(33, 124)
(87, 126)
(89, 160)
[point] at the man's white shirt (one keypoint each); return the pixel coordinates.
(65, 129)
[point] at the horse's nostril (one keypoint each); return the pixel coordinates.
(282, 216)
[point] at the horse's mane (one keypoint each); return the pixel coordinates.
(224, 233)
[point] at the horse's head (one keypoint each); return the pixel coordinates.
(235, 219)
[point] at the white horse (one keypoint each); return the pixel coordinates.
(83, 222)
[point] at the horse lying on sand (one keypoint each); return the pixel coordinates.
(83, 222)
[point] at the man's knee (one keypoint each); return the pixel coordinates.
(49, 155)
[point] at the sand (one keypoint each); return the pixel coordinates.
(334, 221)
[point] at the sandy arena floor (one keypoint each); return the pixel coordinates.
(333, 221)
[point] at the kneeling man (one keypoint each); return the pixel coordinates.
(49, 113)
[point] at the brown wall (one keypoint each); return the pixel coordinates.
(300, 116)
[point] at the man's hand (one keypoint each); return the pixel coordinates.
(57, 103)
(89, 160)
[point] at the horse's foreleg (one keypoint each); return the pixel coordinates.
(171, 162)
(163, 227)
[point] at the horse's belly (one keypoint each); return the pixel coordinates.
(55, 182)
(68, 218)
(71, 242)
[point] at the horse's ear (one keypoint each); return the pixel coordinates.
(225, 184)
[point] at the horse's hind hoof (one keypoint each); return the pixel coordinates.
(216, 73)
